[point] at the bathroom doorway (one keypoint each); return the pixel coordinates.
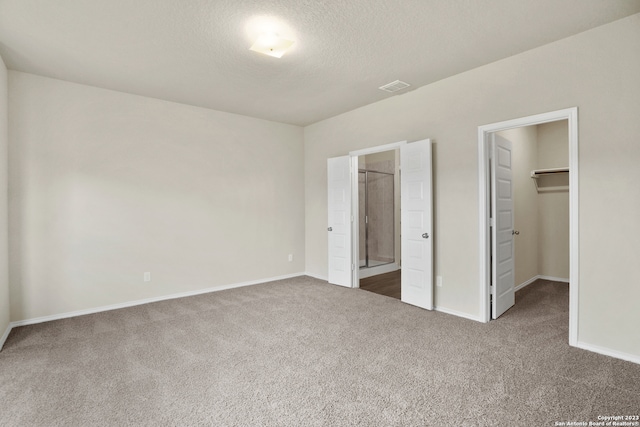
(378, 230)
(415, 216)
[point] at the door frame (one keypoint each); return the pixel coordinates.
(484, 203)
(355, 214)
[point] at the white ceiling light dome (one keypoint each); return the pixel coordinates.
(270, 35)
(271, 44)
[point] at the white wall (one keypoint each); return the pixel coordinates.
(4, 227)
(597, 71)
(105, 186)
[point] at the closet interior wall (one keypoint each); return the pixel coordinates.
(542, 218)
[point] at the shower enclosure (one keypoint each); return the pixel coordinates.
(376, 211)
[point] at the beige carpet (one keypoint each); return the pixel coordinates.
(300, 352)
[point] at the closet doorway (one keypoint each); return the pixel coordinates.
(522, 185)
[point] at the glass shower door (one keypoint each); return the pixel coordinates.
(362, 209)
(376, 218)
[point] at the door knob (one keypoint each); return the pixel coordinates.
(329, 229)
(516, 232)
(425, 235)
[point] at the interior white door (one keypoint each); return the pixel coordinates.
(339, 221)
(416, 220)
(502, 245)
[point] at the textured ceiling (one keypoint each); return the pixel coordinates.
(197, 51)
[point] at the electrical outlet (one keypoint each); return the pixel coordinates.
(147, 276)
(439, 281)
(290, 257)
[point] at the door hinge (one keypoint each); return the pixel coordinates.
(352, 218)
(492, 289)
(353, 267)
(492, 222)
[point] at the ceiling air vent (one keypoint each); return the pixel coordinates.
(394, 86)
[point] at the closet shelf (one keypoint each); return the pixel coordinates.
(539, 172)
(553, 179)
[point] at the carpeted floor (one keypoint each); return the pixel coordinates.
(300, 352)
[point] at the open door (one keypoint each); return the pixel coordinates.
(339, 221)
(416, 224)
(502, 245)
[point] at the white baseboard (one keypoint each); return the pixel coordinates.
(146, 301)
(526, 283)
(4, 337)
(379, 269)
(317, 276)
(554, 279)
(533, 279)
(457, 313)
(608, 352)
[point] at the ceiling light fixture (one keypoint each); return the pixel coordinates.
(271, 44)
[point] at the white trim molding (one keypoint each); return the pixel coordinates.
(457, 313)
(534, 278)
(555, 279)
(377, 149)
(317, 276)
(526, 283)
(146, 301)
(571, 115)
(4, 337)
(379, 269)
(608, 352)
